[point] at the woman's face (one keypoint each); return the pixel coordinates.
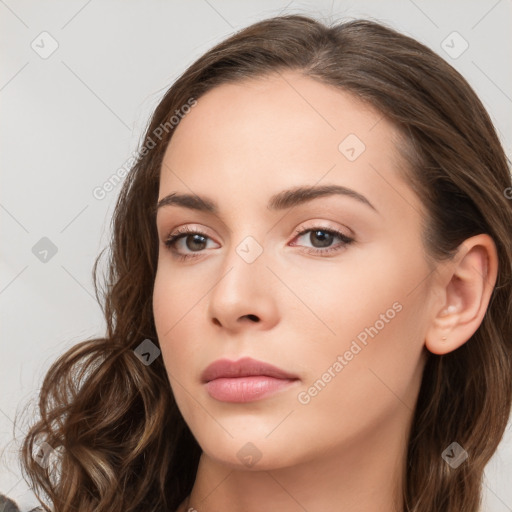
(343, 315)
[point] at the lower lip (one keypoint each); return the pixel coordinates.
(246, 389)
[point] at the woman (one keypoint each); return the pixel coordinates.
(309, 296)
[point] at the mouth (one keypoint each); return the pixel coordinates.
(245, 380)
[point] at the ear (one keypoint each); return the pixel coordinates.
(465, 287)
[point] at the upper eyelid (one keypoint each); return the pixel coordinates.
(329, 227)
(183, 231)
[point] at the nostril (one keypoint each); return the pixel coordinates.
(254, 318)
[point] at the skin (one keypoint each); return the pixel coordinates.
(345, 448)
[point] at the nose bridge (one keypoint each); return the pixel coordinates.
(245, 252)
(243, 270)
(245, 288)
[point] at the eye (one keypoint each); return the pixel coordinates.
(194, 241)
(188, 239)
(322, 238)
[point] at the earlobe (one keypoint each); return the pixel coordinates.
(466, 288)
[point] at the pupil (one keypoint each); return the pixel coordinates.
(196, 239)
(325, 238)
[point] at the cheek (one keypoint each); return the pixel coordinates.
(176, 294)
(174, 300)
(339, 299)
(173, 307)
(374, 319)
(357, 382)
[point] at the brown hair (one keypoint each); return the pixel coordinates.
(125, 444)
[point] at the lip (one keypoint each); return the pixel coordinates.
(245, 367)
(244, 380)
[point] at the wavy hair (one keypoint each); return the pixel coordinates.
(123, 442)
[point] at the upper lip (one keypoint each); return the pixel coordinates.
(244, 367)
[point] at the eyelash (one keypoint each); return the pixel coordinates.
(183, 232)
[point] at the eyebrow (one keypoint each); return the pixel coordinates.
(280, 201)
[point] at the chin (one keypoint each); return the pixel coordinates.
(251, 450)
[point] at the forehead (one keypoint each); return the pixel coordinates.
(273, 132)
(279, 112)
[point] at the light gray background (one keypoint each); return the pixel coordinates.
(70, 120)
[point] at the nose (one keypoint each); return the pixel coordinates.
(245, 296)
